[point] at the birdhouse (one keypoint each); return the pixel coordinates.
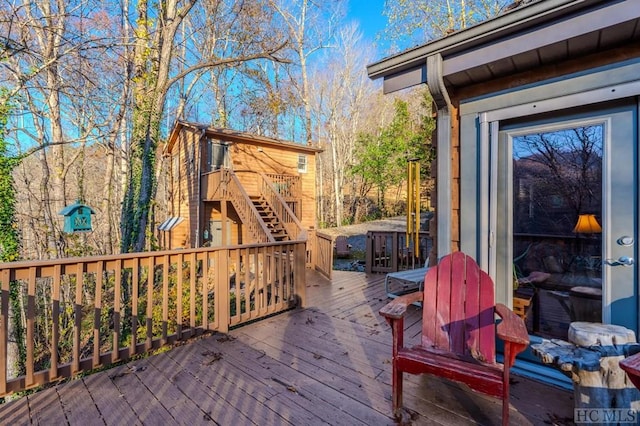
(77, 217)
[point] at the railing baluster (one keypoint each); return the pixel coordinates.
(192, 292)
(165, 297)
(149, 314)
(115, 355)
(97, 313)
(205, 307)
(31, 320)
(135, 285)
(77, 329)
(55, 314)
(179, 296)
(4, 326)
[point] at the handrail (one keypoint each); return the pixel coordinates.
(96, 311)
(285, 215)
(245, 208)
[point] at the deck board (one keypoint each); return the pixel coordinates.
(326, 364)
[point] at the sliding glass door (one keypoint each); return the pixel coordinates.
(567, 209)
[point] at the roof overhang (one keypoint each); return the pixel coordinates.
(540, 33)
(234, 136)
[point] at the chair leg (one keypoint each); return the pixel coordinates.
(505, 384)
(396, 391)
(505, 412)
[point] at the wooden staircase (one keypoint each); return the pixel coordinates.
(270, 218)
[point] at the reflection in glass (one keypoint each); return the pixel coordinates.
(557, 234)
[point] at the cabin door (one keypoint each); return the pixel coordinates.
(566, 209)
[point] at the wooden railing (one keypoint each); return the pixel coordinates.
(285, 215)
(236, 193)
(288, 186)
(387, 251)
(320, 252)
(62, 317)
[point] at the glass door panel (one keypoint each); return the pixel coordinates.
(567, 218)
(557, 236)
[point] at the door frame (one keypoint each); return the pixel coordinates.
(502, 166)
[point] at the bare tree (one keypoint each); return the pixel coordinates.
(340, 95)
(310, 26)
(153, 79)
(415, 22)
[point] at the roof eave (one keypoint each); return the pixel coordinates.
(517, 20)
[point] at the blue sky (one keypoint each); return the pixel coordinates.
(369, 15)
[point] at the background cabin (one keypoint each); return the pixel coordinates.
(228, 188)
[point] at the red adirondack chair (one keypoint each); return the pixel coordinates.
(458, 331)
(631, 366)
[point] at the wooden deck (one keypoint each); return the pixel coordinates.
(326, 364)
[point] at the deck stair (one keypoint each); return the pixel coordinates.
(269, 217)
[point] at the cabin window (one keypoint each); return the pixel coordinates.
(216, 153)
(302, 163)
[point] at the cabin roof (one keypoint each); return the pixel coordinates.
(234, 136)
(534, 34)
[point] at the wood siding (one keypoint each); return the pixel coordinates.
(184, 190)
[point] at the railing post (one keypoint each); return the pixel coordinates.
(368, 263)
(300, 273)
(4, 335)
(222, 291)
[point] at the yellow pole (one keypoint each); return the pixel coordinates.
(416, 197)
(409, 203)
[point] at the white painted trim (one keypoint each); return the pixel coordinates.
(484, 201)
(493, 197)
(602, 94)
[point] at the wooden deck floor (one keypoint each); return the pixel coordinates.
(326, 364)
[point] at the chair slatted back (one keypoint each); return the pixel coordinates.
(458, 308)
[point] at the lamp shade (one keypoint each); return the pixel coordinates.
(587, 224)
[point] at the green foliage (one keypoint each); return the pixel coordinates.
(9, 241)
(382, 158)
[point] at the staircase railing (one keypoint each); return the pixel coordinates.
(245, 208)
(280, 207)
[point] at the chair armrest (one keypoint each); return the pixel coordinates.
(398, 307)
(511, 328)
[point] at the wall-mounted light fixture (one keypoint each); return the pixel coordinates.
(260, 149)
